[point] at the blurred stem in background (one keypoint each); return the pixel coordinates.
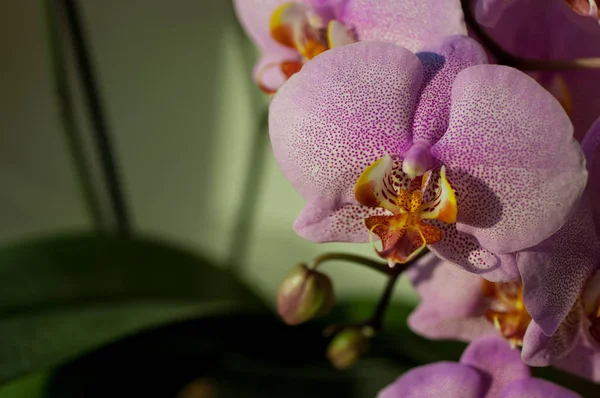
(54, 12)
(254, 172)
(96, 114)
(67, 113)
(67, 10)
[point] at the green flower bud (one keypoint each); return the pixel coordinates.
(303, 295)
(347, 347)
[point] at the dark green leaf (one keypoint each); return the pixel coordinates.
(30, 386)
(242, 355)
(62, 296)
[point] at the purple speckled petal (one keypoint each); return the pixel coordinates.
(345, 109)
(542, 350)
(346, 224)
(464, 251)
(583, 360)
(539, 29)
(441, 379)
(555, 271)
(441, 64)
(537, 388)
(405, 23)
(591, 148)
(511, 158)
(494, 356)
(452, 301)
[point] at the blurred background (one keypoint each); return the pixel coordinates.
(166, 288)
(186, 128)
(183, 113)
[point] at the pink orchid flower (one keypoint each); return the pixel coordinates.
(553, 311)
(290, 33)
(457, 305)
(578, 346)
(546, 30)
(433, 149)
(488, 368)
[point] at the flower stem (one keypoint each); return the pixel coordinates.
(376, 321)
(503, 57)
(353, 258)
(374, 324)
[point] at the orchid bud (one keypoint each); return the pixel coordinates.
(303, 295)
(347, 347)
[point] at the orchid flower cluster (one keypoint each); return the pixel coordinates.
(464, 129)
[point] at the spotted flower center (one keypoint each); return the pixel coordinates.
(403, 228)
(506, 310)
(298, 27)
(591, 304)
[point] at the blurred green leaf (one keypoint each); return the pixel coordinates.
(66, 295)
(30, 386)
(250, 356)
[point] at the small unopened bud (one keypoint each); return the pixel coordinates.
(303, 295)
(347, 347)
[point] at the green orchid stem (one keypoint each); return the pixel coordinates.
(353, 258)
(503, 57)
(374, 324)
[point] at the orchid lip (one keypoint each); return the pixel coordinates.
(407, 231)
